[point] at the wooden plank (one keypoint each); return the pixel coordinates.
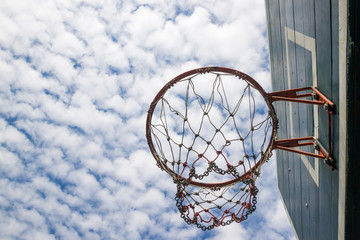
(342, 109)
(285, 157)
(335, 120)
(309, 30)
(300, 126)
(276, 39)
(313, 190)
(273, 35)
(323, 37)
(310, 188)
(303, 175)
(284, 120)
(294, 164)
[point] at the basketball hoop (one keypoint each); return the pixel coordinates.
(212, 129)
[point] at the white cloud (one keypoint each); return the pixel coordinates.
(231, 232)
(77, 78)
(10, 164)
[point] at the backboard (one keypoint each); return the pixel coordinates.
(308, 43)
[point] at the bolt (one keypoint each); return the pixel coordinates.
(326, 106)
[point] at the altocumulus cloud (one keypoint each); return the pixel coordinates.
(76, 79)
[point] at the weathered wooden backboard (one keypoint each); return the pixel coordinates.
(310, 44)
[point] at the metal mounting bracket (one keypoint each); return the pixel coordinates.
(295, 95)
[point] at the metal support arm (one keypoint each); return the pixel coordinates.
(295, 95)
(290, 144)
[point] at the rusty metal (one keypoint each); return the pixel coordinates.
(290, 144)
(295, 95)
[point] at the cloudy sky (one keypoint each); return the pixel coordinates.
(76, 81)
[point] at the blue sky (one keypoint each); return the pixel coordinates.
(77, 78)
